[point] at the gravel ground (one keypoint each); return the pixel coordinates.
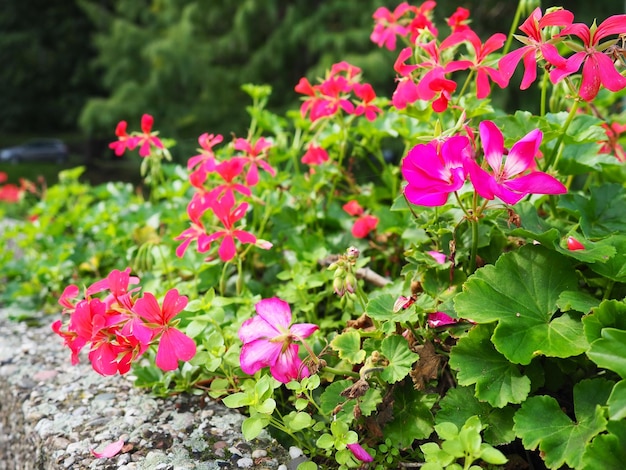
(53, 413)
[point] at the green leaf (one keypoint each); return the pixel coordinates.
(325, 441)
(459, 404)
(578, 301)
(381, 309)
(534, 226)
(348, 345)
(401, 359)
(615, 266)
(607, 451)
(617, 401)
(497, 380)
(610, 313)
(254, 425)
(609, 351)
(412, 416)
(601, 210)
(520, 293)
(297, 421)
(578, 159)
(540, 422)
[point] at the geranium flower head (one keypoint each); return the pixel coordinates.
(504, 181)
(598, 68)
(174, 345)
(435, 170)
(269, 340)
(314, 155)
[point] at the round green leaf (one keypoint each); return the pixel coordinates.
(520, 293)
(401, 359)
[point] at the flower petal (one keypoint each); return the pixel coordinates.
(522, 154)
(287, 366)
(174, 345)
(109, 451)
(274, 311)
(258, 354)
(303, 330)
(257, 328)
(493, 144)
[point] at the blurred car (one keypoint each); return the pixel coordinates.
(46, 150)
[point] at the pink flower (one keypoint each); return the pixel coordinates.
(367, 95)
(174, 345)
(229, 170)
(439, 256)
(435, 170)
(206, 157)
(353, 207)
(388, 26)
(314, 155)
(195, 209)
(437, 319)
(598, 67)
(254, 155)
(147, 138)
(223, 209)
(484, 73)
(359, 452)
(535, 46)
(268, 341)
(504, 182)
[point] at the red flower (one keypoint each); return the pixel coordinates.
(388, 26)
(147, 138)
(174, 345)
(314, 155)
(536, 46)
(574, 245)
(598, 67)
(124, 141)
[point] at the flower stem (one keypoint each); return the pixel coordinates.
(474, 248)
(334, 371)
(558, 148)
(514, 25)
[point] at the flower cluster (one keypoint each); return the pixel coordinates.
(341, 90)
(364, 222)
(145, 140)
(436, 169)
(118, 325)
(425, 65)
(236, 175)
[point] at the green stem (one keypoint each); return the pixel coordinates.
(544, 92)
(474, 248)
(223, 278)
(609, 288)
(514, 25)
(340, 372)
(553, 159)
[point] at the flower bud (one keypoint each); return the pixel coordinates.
(350, 283)
(338, 286)
(574, 245)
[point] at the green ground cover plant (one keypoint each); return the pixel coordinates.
(415, 280)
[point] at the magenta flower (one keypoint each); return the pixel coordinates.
(388, 26)
(223, 209)
(255, 154)
(359, 452)
(598, 67)
(268, 341)
(504, 182)
(174, 345)
(435, 170)
(206, 157)
(437, 319)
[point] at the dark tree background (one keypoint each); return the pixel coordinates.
(82, 65)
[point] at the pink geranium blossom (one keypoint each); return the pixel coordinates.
(174, 345)
(206, 157)
(269, 341)
(504, 181)
(598, 67)
(364, 223)
(435, 170)
(228, 214)
(254, 154)
(535, 45)
(388, 25)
